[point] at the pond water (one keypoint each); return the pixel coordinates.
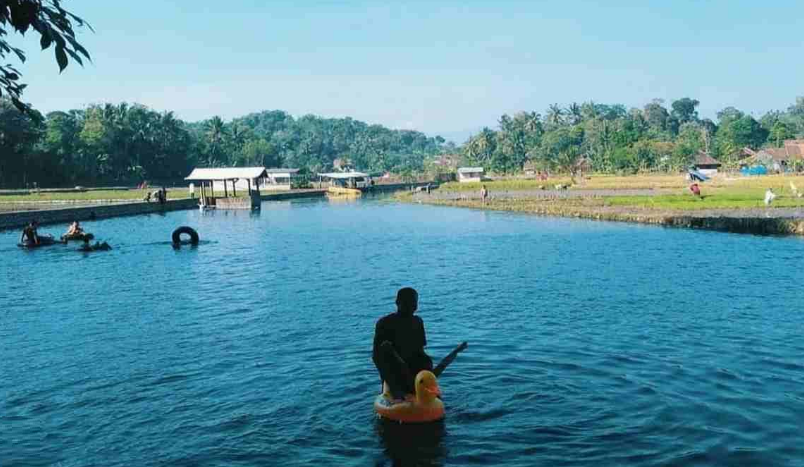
(590, 343)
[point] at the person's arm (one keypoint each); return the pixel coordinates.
(380, 336)
(423, 339)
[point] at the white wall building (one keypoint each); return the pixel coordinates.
(278, 179)
(470, 174)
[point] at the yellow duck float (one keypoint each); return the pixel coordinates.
(424, 406)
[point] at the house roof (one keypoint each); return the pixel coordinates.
(774, 154)
(228, 173)
(795, 148)
(703, 158)
(281, 171)
(463, 170)
(343, 175)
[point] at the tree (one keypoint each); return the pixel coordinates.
(54, 25)
(684, 110)
(19, 132)
(562, 148)
(555, 115)
(780, 132)
(736, 133)
(216, 138)
(574, 113)
(656, 115)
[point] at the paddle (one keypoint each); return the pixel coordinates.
(449, 358)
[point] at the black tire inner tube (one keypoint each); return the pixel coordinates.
(185, 230)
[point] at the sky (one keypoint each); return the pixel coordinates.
(441, 67)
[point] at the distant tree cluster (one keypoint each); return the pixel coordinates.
(612, 138)
(126, 144)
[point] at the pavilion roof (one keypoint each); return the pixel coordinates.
(343, 175)
(227, 173)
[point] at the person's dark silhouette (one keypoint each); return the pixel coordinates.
(399, 341)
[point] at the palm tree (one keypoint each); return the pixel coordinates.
(215, 131)
(589, 110)
(555, 115)
(574, 112)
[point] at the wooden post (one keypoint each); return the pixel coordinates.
(249, 187)
(234, 189)
(225, 189)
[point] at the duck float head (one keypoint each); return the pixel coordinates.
(424, 406)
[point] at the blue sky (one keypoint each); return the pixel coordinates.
(441, 67)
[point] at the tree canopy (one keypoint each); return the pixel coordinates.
(611, 138)
(126, 144)
(55, 26)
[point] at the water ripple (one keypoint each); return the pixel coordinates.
(591, 343)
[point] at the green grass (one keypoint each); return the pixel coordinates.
(635, 182)
(511, 185)
(131, 195)
(723, 199)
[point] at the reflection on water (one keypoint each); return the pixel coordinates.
(408, 445)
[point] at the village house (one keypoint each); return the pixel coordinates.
(279, 179)
(706, 164)
(784, 158)
(470, 174)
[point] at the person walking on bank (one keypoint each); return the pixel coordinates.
(399, 341)
(484, 194)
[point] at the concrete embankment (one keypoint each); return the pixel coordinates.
(295, 194)
(771, 221)
(60, 215)
(14, 220)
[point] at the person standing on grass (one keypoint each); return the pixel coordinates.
(769, 196)
(484, 193)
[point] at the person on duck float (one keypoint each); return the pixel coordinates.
(399, 341)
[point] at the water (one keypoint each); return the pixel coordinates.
(591, 343)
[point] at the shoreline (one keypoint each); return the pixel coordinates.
(768, 221)
(64, 211)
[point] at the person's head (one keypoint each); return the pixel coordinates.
(407, 300)
(34, 223)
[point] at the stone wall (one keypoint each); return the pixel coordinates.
(15, 220)
(294, 194)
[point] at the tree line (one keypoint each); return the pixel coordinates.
(126, 144)
(613, 139)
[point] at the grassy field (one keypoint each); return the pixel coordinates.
(727, 182)
(723, 192)
(89, 196)
(724, 198)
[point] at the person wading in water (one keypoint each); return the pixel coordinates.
(399, 341)
(29, 234)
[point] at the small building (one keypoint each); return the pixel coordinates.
(530, 168)
(279, 179)
(781, 159)
(581, 166)
(470, 174)
(212, 180)
(705, 164)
